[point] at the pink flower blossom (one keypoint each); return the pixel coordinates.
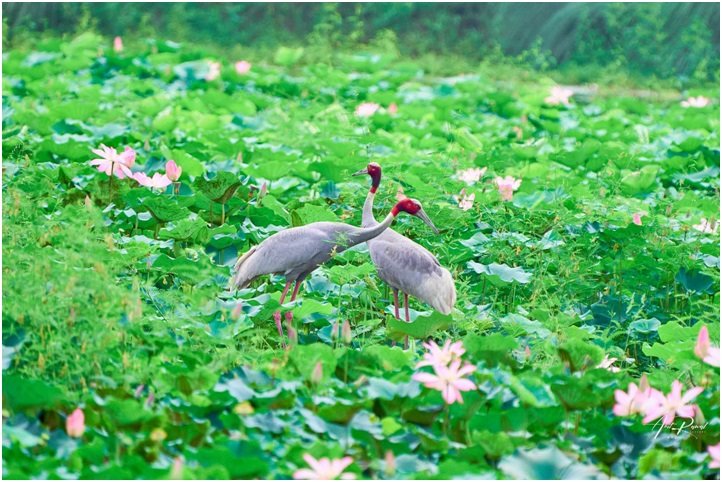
(714, 453)
(674, 404)
(637, 218)
(466, 201)
(242, 67)
(173, 170)
(393, 108)
(506, 186)
(695, 102)
(559, 95)
(448, 380)
(441, 355)
(608, 364)
(635, 399)
(704, 350)
(324, 469)
(470, 176)
(158, 181)
(366, 109)
(75, 423)
(706, 226)
(112, 163)
(214, 71)
(118, 44)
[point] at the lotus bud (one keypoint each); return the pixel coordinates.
(173, 170)
(176, 472)
(390, 460)
(346, 332)
(317, 373)
(75, 423)
(242, 67)
(237, 310)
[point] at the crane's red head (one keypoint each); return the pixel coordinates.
(374, 172)
(413, 207)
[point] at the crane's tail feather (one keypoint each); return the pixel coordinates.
(443, 298)
(241, 272)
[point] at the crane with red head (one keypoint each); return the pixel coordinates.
(404, 265)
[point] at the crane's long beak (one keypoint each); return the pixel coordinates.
(425, 218)
(361, 172)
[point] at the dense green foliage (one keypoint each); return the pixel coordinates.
(115, 299)
(660, 39)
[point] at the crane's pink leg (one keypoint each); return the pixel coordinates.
(396, 308)
(289, 314)
(408, 319)
(396, 304)
(295, 290)
(406, 302)
(277, 314)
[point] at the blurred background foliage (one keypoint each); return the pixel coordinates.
(677, 41)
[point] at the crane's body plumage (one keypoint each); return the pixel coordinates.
(409, 267)
(295, 252)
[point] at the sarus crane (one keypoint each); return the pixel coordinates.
(403, 264)
(296, 252)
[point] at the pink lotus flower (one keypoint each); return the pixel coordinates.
(242, 67)
(674, 404)
(704, 350)
(506, 186)
(367, 109)
(706, 226)
(112, 163)
(158, 181)
(608, 364)
(695, 102)
(448, 380)
(466, 201)
(635, 399)
(173, 170)
(714, 453)
(324, 469)
(637, 218)
(75, 423)
(393, 108)
(470, 176)
(441, 356)
(559, 95)
(118, 44)
(214, 71)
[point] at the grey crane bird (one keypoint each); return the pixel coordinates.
(296, 252)
(405, 265)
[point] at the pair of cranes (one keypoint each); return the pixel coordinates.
(403, 264)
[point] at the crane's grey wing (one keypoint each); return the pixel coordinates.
(411, 268)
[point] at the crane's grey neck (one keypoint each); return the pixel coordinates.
(367, 216)
(361, 235)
